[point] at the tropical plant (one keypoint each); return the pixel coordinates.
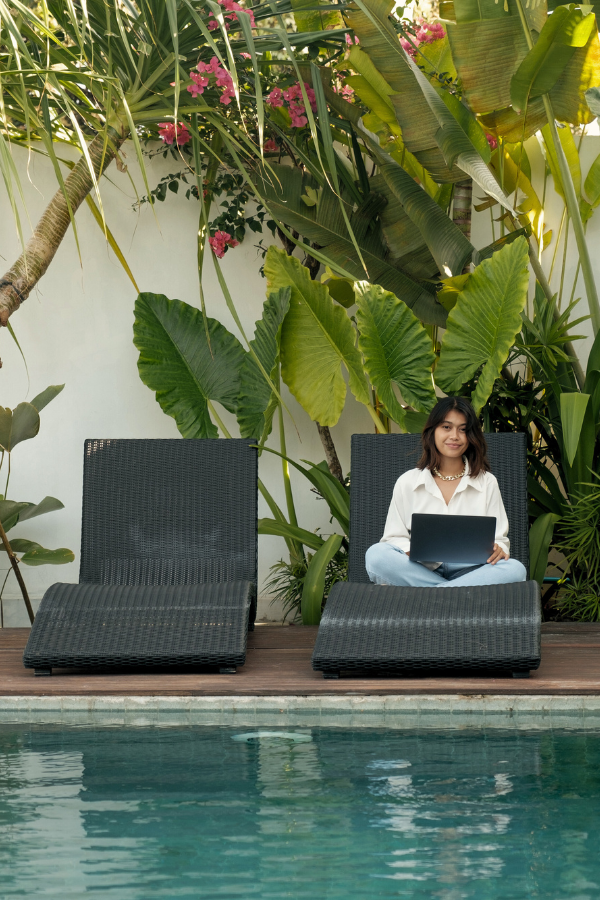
(307, 339)
(17, 425)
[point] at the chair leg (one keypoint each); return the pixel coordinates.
(521, 673)
(331, 674)
(227, 670)
(42, 671)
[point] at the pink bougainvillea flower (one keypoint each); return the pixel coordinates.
(426, 33)
(220, 241)
(199, 83)
(213, 24)
(270, 146)
(349, 40)
(169, 132)
(492, 141)
(245, 56)
(275, 98)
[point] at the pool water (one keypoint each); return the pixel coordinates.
(169, 812)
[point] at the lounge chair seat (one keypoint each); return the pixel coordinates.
(168, 560)
(381, 628)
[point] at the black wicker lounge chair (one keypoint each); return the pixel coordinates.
(377, 628)
(168, 560)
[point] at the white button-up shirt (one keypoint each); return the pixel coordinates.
(417, 492)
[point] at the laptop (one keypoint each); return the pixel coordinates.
(452, 539)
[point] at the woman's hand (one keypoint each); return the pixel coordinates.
(497, 554)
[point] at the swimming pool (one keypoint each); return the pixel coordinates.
(169, 812)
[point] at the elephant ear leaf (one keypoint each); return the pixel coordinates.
(483, 324)
(396, 349)
(177, 362)
(19, 424)
(257, 400)
(317, 338)
(46, 396)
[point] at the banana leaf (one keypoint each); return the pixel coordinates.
(324, 225)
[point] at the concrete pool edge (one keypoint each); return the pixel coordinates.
(401, 711)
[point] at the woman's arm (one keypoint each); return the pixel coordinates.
(396, 531)
(495, 507)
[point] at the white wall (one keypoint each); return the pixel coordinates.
(77, 329)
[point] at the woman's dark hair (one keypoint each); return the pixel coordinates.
(476, 451)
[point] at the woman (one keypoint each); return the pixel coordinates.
(452, 477)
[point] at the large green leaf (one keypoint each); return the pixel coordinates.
(43, 399)
(317, 338)
(485, 321)
(446, 242)
(36, 555)
(314, 580)
(310, 18)
(324, 225)
(255, 406)
(292, 532)
(12, 511)
(177, 363)
(488, 45)
(540, 536)
(370, 20)
(396, 349)
(19, 424)
(537, 74)
(572, 414)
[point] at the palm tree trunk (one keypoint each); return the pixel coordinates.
(22, 277)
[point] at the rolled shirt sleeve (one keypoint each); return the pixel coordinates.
(396, 530)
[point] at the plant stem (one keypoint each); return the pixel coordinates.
(558, 237)
(287, 484)
(330, 452)
(15, 564)
(575, 216)
(381, 429)
(564, 263)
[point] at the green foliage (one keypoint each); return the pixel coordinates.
(579, 541)
(287, 579)
(18, 425)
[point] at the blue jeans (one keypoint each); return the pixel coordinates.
(387, 564)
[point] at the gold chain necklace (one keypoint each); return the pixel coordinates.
(450, 477)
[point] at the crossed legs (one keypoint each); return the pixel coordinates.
(387, 564)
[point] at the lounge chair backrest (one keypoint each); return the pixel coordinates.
(167, 512)
(379, 460)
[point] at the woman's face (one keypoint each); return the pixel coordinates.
(450, 435)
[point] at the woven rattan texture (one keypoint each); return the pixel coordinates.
(169, 512)
(379, 460)
(92, 625)
(393, 628)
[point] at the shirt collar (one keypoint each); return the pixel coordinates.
(425, 478)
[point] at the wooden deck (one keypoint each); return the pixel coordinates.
(278, 663)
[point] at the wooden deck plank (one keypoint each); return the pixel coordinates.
(278, 663)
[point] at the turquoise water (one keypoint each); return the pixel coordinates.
(175, 812)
